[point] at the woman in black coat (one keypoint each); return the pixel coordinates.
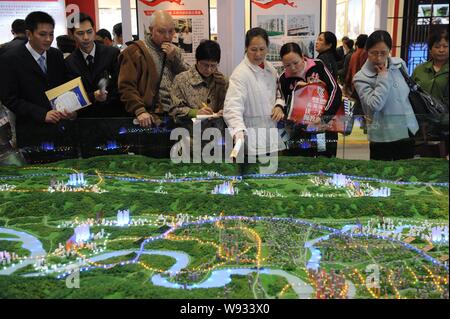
(326, 47)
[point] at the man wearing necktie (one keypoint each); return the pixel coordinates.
(94, 62)
(90, 62)
(43, 64)
(28, 71)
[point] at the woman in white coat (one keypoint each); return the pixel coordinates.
(251, 108)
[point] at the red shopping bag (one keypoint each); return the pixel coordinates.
(342, 122)
(308, 103)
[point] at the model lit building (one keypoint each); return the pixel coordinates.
(439, 234)
(339, 180)
(48, 146)
(82, 233)
(76, 180)
(123, 217)
(111, 145)
(381, 192)
(226, 188)
(5, 257)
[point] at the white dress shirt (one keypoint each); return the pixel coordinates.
(36, 55)
(85, 55)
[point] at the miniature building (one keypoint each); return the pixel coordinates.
(76, 180)
(82, 233)
(439, 234)
(226, 188)
(123, 217)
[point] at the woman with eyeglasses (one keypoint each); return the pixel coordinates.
(201, 89)
(383, 93)
(298, 72)
(252, 109)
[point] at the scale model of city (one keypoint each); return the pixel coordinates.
(134, 227)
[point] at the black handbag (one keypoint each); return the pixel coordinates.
(421, 101)
(431, 113)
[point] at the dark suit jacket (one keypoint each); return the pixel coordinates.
(14, 42)
(23, 86)
(106, 65)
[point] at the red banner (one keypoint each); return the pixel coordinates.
(178, 12)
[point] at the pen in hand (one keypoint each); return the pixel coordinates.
(205, 110)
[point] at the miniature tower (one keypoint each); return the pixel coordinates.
(339, 180)
(225, 189)
(82, 233)
(123, 217)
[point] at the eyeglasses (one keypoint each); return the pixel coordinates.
(381, 54)
(165, 32)
(207, 65)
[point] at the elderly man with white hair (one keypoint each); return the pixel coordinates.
(147, 70)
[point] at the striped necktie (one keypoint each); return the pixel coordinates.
(42, 64)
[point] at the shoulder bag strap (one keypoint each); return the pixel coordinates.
(413, 86)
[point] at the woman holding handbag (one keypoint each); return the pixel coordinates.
(432, 75)
(384, 96)
(299, 70)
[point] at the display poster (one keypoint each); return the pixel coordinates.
(18, 9)
(288, 21)
(192, 23)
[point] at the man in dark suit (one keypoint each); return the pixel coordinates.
(18, 31)
(28, 71)
(104, 36)
(95, 63)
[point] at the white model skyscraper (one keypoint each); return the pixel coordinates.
(123, 217)
(82, 233)
(76, 180)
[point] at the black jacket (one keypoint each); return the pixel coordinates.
(329, 59)
(23, 86)
(11, 44)
(106, 65)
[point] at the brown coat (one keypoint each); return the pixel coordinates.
(138, 78)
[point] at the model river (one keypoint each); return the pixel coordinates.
(217, 278)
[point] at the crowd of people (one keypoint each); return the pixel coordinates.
(148, 79)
